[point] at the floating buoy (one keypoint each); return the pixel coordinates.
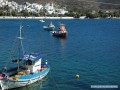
(77, 76)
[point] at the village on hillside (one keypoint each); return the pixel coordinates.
(27, 9)
(34, 8)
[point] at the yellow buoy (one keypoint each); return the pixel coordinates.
(77, 76)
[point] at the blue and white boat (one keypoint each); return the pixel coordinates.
(49, 27)
(30, 68)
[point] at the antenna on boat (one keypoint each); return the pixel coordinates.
(20, 38)
(20, 44)
(20, 34)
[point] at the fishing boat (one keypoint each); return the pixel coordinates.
(29, 69)
(49, 27)
(61, 31)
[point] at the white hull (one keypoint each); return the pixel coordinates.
(42, 21)
(18, 83)
(49, 28)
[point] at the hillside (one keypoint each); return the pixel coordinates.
(112, 4)
(79, 4)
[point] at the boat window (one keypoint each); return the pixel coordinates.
(28, 62)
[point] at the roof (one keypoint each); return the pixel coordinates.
(32, 57)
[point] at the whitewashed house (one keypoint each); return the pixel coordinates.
(49, 8)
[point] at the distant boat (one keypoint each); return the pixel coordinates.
(49, 27)
(30, 68)
(61, 32)
(42, 20)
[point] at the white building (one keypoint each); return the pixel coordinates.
(36, 6)
(49, 8)
(3, 3)
(20, 8)
(60, 11)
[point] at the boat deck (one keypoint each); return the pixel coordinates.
(24, 72)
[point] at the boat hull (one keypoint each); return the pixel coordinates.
(62, 35)
(42, 21)
(49, 28)
(24, 81)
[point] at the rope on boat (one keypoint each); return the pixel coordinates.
(22, 47)
(13, 50)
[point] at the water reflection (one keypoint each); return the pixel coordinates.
(62, 47)
(62, 42)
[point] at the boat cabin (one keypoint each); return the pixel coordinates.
(33, 63)
(62, 27)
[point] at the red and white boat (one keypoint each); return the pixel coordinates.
(61, 32)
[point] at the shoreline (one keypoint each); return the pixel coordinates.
(67, 18)
(21, 17)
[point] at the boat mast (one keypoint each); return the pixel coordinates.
(20, 45)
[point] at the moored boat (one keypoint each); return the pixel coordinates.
(49, 27)
(61, 32)
(30, 68)
(42, 20)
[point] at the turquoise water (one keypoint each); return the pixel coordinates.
(92, 49)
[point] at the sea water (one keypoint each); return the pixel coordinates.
(91, 49)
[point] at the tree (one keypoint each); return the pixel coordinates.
(25, 13)
(14, 13)
(42, 13)
(1, 12)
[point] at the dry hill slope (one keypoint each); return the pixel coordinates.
(80, 4)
